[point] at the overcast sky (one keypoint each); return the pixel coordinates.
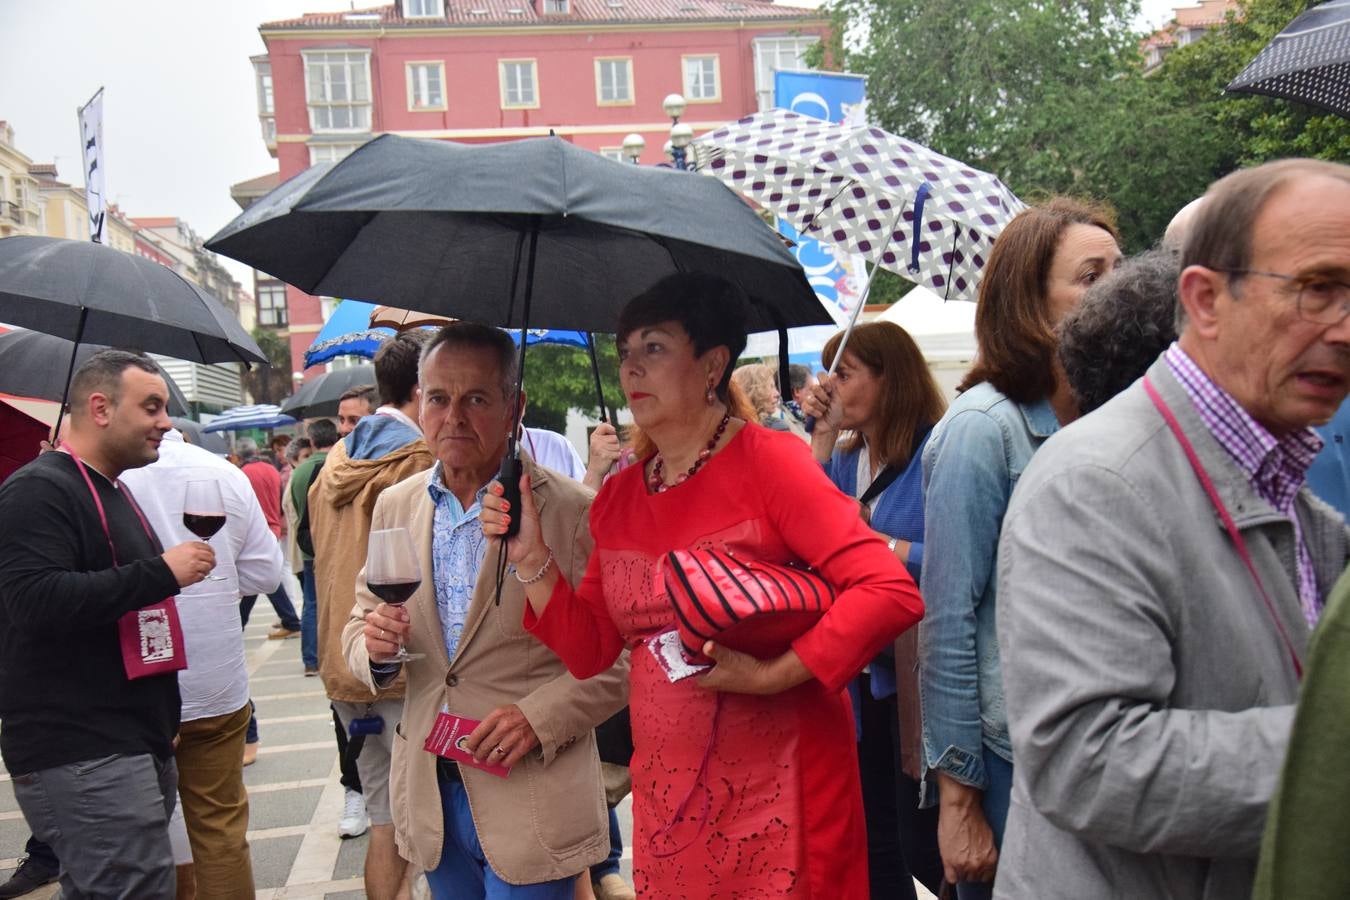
(180, 119)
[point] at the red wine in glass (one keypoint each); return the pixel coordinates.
(204, 512)
(395, 593)
(393, 574)
(202, 525)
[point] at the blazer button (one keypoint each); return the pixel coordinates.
(451, 680)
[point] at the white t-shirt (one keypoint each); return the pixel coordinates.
(553, 451)
(247, 556)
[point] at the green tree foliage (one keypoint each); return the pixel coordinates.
(559, 378)
(270, 383)
(1050, 96)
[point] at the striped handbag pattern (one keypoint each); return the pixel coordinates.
(748, 605)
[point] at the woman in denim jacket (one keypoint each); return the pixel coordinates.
(1010, 402)
(884, 396)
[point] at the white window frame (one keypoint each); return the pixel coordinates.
(359, 110)
(327, 152)
(601, 63)
(614, 153)
(692, 96)
(557, 7)
(267, 313)
(502, 68)
(797, 45)
(266, 98)
(418, 85)
(437, 8)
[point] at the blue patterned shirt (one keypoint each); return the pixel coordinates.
(457, 550)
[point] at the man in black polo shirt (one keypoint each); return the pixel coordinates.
(90, 750)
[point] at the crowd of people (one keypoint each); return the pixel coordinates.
(1081, 634)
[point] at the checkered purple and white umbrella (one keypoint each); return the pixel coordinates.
(924, 216)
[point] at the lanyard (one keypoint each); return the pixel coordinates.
(98, 504)
(1238, 542)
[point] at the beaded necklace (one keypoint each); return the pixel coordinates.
(656, 485)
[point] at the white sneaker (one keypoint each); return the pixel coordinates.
(354, 821)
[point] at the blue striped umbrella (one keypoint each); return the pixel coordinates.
(257, 415)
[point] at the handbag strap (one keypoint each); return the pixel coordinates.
(886, 477)
(1229, 524)
(681, 811)
(98, 503)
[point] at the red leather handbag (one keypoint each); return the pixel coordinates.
(752, 606)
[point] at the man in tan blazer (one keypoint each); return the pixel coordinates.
(476, 834)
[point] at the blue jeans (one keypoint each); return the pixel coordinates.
(464, 873)
(611, 864)
(309, 618)
(281, 602)
(996, 801)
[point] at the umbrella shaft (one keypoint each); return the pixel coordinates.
(70, 373)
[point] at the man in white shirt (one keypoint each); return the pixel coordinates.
(553, 451)
(214, 686)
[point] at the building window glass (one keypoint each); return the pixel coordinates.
(520, 88)
(555, 7)
(614, 81)
(614, 153)
(265, 104)
(700, 78)
(337, 89)
(787, 54)
(322, 153)
(423, 9)
(272, 305)
(426, 85)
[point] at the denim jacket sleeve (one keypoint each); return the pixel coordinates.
(966, 490)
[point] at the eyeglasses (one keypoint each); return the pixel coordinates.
(1321, 300)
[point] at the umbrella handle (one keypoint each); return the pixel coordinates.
(509, 476)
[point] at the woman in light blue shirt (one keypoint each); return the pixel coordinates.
(1011, 401)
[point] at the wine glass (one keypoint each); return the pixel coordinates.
(393, 575)
(204, 512)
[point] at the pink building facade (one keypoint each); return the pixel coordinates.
(590, 71)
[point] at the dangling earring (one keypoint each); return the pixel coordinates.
(711, 396)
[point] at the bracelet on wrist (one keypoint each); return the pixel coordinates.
(537, 575)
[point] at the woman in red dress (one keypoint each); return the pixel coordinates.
(745, 780)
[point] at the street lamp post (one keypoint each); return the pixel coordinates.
(633, 145)
(681, 135)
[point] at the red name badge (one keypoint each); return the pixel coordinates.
(447, 739)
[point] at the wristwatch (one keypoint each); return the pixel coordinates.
(890, 545)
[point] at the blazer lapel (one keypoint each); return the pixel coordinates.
(485, 586)
(423, 615)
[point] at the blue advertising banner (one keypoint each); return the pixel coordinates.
(836, 277)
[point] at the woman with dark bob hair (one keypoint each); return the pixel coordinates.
(745, 783)
(1014, 398)
(873, 418)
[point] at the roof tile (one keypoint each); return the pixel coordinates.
(523, 12)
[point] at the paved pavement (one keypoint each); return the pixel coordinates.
(295, 799)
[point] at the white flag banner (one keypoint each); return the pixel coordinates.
(91, 143)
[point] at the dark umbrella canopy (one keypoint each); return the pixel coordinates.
(84, 291)
(1309, 61)
(33, 364)
(319, 396)
(437, 227)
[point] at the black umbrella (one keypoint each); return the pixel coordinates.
(441, 227)
(193, 434)
(1309, 61)
(32, 364)
(319, 396)
(529, 233)
(84, 291)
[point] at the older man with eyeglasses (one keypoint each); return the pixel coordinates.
(1162, 565)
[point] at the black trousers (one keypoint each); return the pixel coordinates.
(901, 838)
(351, 778)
